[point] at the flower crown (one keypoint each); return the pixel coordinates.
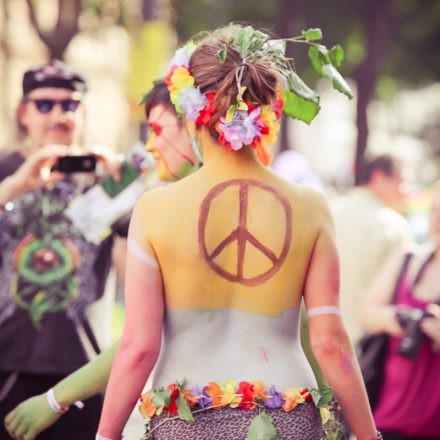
(246, 122)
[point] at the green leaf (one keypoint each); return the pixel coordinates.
(245, 40)
(312, 34)
(261, 428)
(326, 396)
(338, 81)
(322, 62)
(259, 39)
(222, 52)
(300, 88)
(183, 410)
(230, 113)
(299, 108)
(189, 47)
(277, 46)
(160, 397)
(316, 396)
(322, 397)
(319, 56)
(336, 54)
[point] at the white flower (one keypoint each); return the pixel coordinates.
(192, 101)
(180, 58)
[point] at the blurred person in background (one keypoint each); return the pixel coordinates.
(294, 166)
(171, 146)
(54, 309)
(408, 406)
(369, 228)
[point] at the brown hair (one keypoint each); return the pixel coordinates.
(159, 95)
(384, 163)
(259, 77)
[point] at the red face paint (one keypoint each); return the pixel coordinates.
(241, 233)
(158, 130)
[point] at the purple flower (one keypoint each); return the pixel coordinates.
(180, 58)
(203, 399)
(192, 101)
(275, 400)
(243, 128)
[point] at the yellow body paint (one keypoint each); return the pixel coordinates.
(262, 271)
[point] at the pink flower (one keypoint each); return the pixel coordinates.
(243, 128)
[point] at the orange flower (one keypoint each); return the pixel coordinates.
(146, 407)
(214, 391)
(190, 399)
(264, 154)
(292, 397)
(259, 390)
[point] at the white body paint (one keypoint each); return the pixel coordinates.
(324, 310)
(136, 250)
(221, 345)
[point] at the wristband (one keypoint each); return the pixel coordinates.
(56, 407)
(379, 436)
(101, 437)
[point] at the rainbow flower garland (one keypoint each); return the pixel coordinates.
(183, 403)
(245, 123)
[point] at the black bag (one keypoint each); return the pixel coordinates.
(372, 349)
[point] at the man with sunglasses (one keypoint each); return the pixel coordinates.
(54, 307)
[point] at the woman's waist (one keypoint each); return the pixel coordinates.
(216, 327)
(198, 366)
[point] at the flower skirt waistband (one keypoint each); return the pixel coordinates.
(176, 399)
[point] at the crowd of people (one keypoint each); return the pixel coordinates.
(218, 266)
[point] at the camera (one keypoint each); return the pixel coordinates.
(75, 164)
(413, 337)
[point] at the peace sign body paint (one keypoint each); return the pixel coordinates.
(241, 235)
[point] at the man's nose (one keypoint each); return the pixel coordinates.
(149, 146)
(60, 115)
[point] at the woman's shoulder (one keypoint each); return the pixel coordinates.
(152, 201)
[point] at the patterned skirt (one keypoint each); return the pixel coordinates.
(302, 423)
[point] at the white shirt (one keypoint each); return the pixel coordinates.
(367, 233)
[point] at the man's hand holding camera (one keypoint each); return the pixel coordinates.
(35, 172)
(39, 169)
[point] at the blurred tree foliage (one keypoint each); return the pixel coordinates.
(388, 46)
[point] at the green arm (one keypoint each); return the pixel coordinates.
(305, 342)
(87, 381)
(34, 415)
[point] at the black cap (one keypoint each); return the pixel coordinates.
(54, 74)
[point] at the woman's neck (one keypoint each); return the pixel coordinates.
(216, 155)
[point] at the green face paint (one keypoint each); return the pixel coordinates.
(186, 169)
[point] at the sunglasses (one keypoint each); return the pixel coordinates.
(47, 105)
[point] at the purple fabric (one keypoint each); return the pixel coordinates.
(409, 402)
(302, 423)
